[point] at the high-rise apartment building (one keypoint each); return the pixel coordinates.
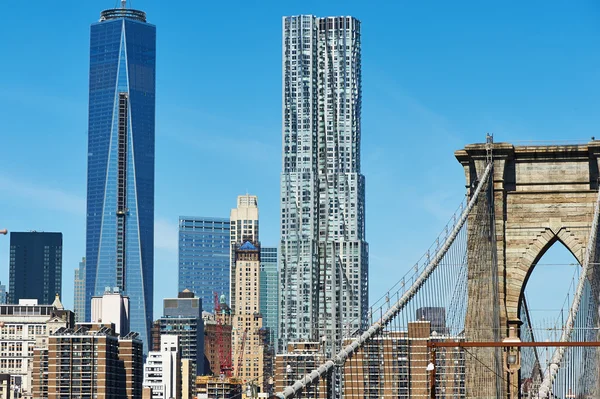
(79, 304)
(204, 251)
(244, 227)
(324, 255)
(120, 175)
(269, 292)
(90, 361)
(35, 266)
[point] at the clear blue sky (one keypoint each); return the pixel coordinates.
(436, 76)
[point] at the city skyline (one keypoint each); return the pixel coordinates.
(419, 93)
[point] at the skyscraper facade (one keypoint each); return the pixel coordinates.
(120, 185)
(79, 304)
(204, 246)
(324, 255)
(244, 227)
(269, 292)
(35, 266)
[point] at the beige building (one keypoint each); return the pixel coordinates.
(90, 361)
(248, 338)
(22, 328)
(208, 387)
(244, 227)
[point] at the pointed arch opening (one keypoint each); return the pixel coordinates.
(548, 287)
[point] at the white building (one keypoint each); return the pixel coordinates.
(112, 307)
(162, 371)
(324, 255)
(23, 327)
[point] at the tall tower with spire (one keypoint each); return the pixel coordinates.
(120, 175)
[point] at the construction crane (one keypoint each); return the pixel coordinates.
(241, 352)
(224, 358)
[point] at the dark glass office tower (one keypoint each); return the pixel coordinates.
(35, 267)
(120, 190)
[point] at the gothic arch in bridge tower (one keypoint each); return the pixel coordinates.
(541, 194)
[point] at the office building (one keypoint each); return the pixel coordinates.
(112, 307)
(22, 327)
(204, 250)
(35, 266)
(79, 305)
(101, 364)
(324, 255)
(182, 316)
(269, 292)
(162, 371)
(120, 174)
(248, 340)
(244, 227)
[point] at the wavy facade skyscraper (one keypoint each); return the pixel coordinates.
(324, 255)
(120, 185)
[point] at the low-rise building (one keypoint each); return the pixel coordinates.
(162, 371)
(209, 387)
(23, 327)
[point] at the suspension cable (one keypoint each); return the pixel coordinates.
(392, 312)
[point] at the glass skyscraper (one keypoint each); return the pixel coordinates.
(204, 250)
(269, 291)
(120, 185)
(35, 266)
(324, 255)
(79, 304)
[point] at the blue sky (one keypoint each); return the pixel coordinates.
(436, 76)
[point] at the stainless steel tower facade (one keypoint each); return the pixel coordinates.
(324, 255)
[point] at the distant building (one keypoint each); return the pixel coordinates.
(3, 294)
(119, 376)
(182, 316)
(221, 388)
(298, 360)
(436, 316)
(269, 292)
(112, 307)
(244, 227)
(79, 305)
(392, 365)
(22, 327)
(217, 337)
(248, 335)
(35, 266)
(162, 371)
(204, 251)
